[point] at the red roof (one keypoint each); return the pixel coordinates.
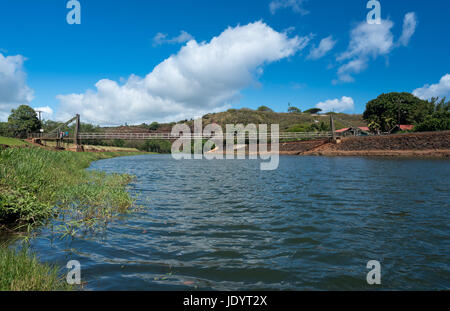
(342, 130)
(406, 127)
(362, 128)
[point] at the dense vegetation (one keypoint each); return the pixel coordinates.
(389, 110)
(439, 120)
(21, 271)
(22, 121)
(35, 184)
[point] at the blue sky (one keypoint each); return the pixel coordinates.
(58, 65)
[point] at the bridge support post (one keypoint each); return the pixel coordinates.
(77, 131)
(333, 129)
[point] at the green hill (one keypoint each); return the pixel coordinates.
(287, 121)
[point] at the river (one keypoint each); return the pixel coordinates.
(312, 224)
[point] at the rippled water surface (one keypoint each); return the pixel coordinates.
(312, 224)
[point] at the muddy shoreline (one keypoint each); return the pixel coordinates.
(429, 145)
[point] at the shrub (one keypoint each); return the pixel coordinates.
(264, 109)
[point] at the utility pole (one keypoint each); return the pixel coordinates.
(39, 112)
(58, 138)
(333, 129)
(77, 130)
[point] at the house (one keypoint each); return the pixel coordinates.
(353, 131)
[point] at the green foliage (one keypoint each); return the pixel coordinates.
(119, 143)
(22, 205)
(21, 271)
(264, 109)
(439, 120)
(313, 110)
(5, 130)
(320, 127)
(154, 126)
(34, 180)
(23, 120)
(293, 109)
(299, 128)
(387, 110)
(314, 127)
(158, 145)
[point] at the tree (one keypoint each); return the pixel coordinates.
(154, 126)
(439, 120)
(293, 109)
(313, 110)
(5, 129)
(396, 108)
(320, 127)
(23, 120)
(265, 109)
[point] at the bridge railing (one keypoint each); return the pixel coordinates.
(169, 136)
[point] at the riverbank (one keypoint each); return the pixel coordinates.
(427, 144)
(34, 180)
(38, 184)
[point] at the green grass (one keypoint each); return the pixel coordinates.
(21, 271)
(13, 142)
(36, 184)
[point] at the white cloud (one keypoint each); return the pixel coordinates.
(47, 112)
(201, 77)
(294, 5)
(161, 38)
(368, 42)
(441, 89)
(325, 45)
(13, 87)
(337, 105)
(409, 27)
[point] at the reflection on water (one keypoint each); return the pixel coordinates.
(312, 224)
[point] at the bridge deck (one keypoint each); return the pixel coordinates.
(169, 136)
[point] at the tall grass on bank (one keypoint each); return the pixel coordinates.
(21, 271)
(36, 184)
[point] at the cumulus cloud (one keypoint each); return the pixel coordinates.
(368, 42)
(161, 38)
(325, 45)
(13, 87)
(337, 105)
(47, 112)
(201, 77)
(295, 5)
(409, 27)
(441, 89)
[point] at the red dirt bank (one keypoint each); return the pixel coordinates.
(430, 144)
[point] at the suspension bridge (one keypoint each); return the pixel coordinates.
(60, 136)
